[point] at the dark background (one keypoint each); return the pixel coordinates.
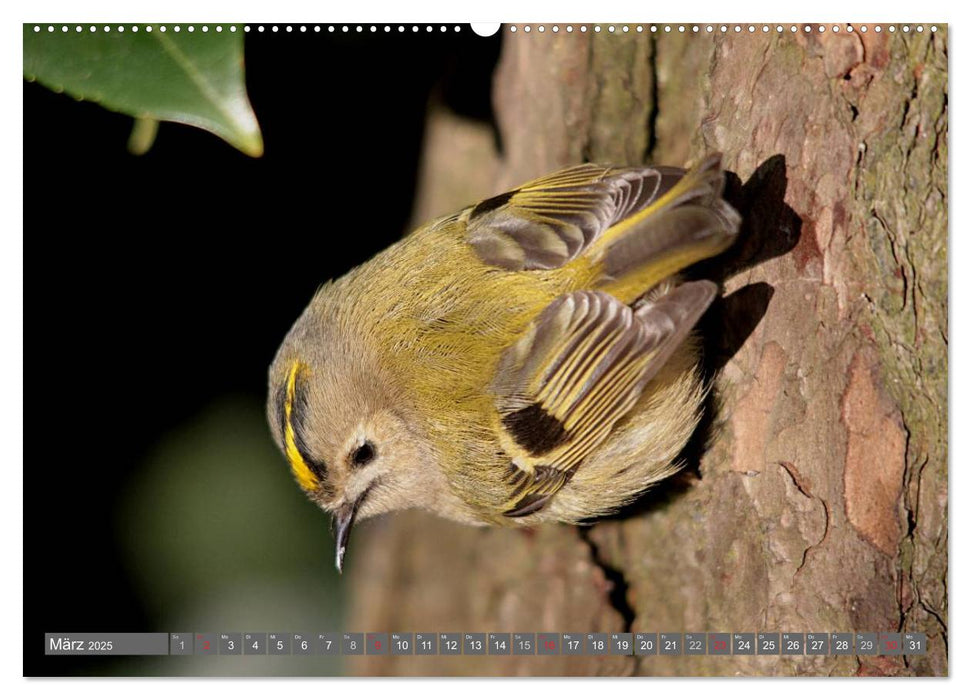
(160, 283)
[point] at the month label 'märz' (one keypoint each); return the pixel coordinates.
(108, 644)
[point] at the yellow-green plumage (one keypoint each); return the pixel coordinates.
(437, 354)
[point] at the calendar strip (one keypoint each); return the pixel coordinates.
(487, 644)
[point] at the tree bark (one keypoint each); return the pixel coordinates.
(815, 497)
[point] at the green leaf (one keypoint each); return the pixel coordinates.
(192, 78)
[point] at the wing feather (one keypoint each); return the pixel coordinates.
(551, 221)
(578, 369)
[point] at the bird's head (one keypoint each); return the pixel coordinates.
(343, 427)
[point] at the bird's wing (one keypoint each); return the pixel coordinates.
(577, 370)
(548, 222)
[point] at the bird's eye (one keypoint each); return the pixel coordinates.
(363, 454)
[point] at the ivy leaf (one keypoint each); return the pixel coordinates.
(191, 78)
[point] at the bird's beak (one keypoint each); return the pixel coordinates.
(344, 517)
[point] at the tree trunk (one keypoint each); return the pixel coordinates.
(815, 497)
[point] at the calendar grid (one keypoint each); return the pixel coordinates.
(781, 644)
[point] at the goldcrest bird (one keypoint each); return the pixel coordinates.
(528, 359)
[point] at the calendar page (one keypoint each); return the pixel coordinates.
(521, 349)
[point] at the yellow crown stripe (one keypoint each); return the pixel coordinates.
(305, 477)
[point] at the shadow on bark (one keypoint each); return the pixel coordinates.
(770, 228)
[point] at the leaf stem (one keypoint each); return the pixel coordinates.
(142, 135)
